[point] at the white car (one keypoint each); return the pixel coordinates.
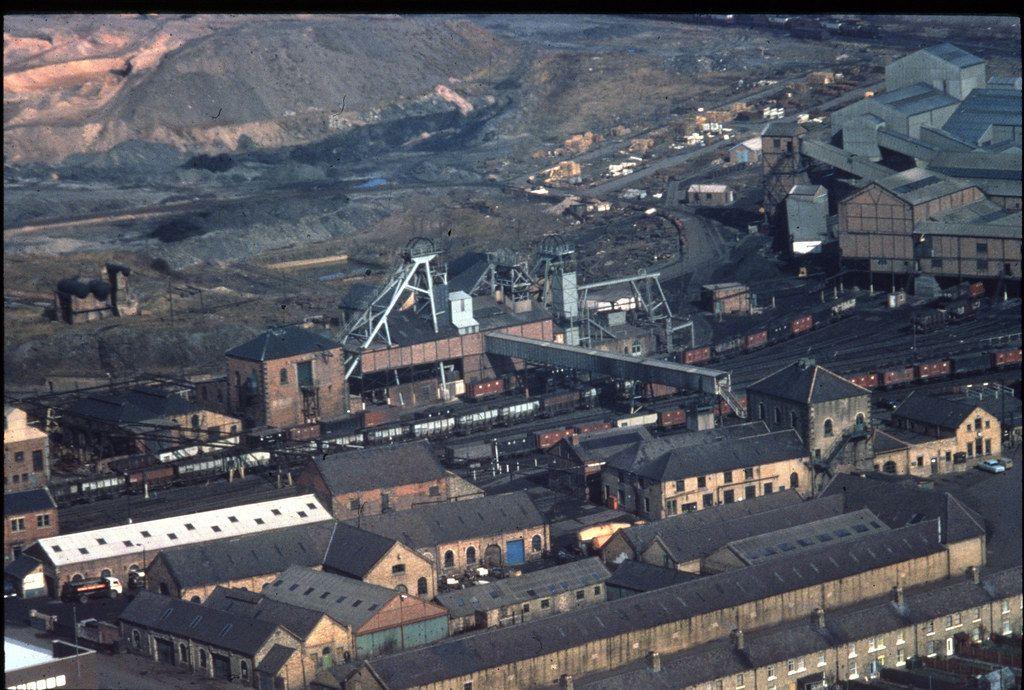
(993, 466)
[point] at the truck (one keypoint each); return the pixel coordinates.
(83, 590)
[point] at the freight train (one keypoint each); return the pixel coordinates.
(958, 365)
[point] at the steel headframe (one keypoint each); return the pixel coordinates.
(649, 296)
(555, 256)
(506, 272)
(414, 276)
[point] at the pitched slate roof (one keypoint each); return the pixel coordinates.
(295, 619)
(353, 551)
(237, 558)
(782, 128)
(527, 587)
(918, 185)
(379, 468)
(900, 502)
(953, 55)
(23, 502)
(195, 621)
(274, 660)
(138, 404)
(717, 455)
(685, 543)
(350, 602)
(21, 566)
(442, 523)
(465, 654)
(804, 383)
(643, 577)
(279, 343)
(885, 442)
(941, 412)
(640, 536)
(810, 535)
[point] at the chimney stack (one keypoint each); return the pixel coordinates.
(821, 617)
(565, 682)
(974, 573)
(654, 661)
(898, 595)
(737, 636)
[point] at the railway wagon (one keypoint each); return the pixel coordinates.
(151, 477)
(376, 417)
(868, 380)
(485, 389)
(557, 402)
(755, 340)
(306, 432)
(928, 320)
(660, 390)
(976, 289)
(896, 376)
(1006, 358)
(547, 439)
(844, 308)
(933, 370)
(801, 324)
(697, 355)
(723, 408)
(591, 427)
(728, 347)
(668, 419)
(637, 420)
(972, 363)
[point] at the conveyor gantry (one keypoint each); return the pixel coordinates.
(681, 376)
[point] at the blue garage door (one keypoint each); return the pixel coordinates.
(515, 552)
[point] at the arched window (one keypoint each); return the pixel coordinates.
(77, 577)
(449, 559)
(202, 658)
(793, 420)
(136, 639)
(421, 585)
(401, 589)
(471, 555)
(760, 410)
(183, 653)
(284, 375)
(243, 667)
(889, 467)
(794, 481)
(828, 427)
(778, 416)
(860, 418)
(105, 572)
(536, 542)
(195, 422)
(195, 599)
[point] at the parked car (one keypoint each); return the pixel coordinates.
(993, 466)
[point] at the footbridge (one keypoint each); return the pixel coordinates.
(680, 376)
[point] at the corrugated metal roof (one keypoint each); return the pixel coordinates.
(984, 108)
(953, 55)
(154, 535)
(916, 99)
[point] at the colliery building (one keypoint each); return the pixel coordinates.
(26, 452)
(381, 561)
(120, 550)
(500, 530)
(784, 589)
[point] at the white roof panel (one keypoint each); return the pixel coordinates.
(154, 535)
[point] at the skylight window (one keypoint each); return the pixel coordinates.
(216, 528)
(259, 521)
(56, 549)
(302, 514)
(145, 534)
(307, 592)
(172, 536)
(83, 550)
(275, 511)
(232, 518)
(189, 526)
(101, 541)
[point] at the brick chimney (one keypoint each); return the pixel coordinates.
(737, 636)
(974, 574)
(654, 661)
(565, 682)
(898, 595)
(820, 612)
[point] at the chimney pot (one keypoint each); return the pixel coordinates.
(898, 594)
(974, 573)
(654, 661)
(821, 617)
(738, 637)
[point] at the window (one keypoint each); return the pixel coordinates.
(449, 559)
(981, 247)
(19, 456)
(727, 477)
(680, 485)
(536, 543)
(1006, 607)
(421, 586)
(137, 642)
(760, 410)
(647, 505)
(243, 667)
(37, 461)
(853, 649)
(597, 590)
(851, 669)
(821, 659)
(545, 603)
(794, 481)
(931, 648)
(18, 524)
(284, 375)
(434, 491)
(183, 652)
(949, 646)
(580, 594)
(259, 521)
(398, 568)
(232, 518)
(748, 473)
(526, 608)
(977, 615)
(670, 506)
(929, 628)
(468, 685)
(771, 673)
(471, 555)
(43, 520)
(353, 504)
(739, 681)
(702, 482)
(768, 488)
(707, 500)
(827, 429)
(901, 656)
(728, 496)
(790, 666)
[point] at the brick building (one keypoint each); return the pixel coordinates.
(503, 529)
(28, 517)
(725, 298)
(709, 195)
(380, 561)
(286, 377)
(950, 434)
(76, 300)
(26, 452)
(688, 472)
(530, 596)
(376, 480)
(191, 572)
(122, 549)
(829, 413)
(27, 665)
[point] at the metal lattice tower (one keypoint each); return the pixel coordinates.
(508, 274)
(416, 278)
